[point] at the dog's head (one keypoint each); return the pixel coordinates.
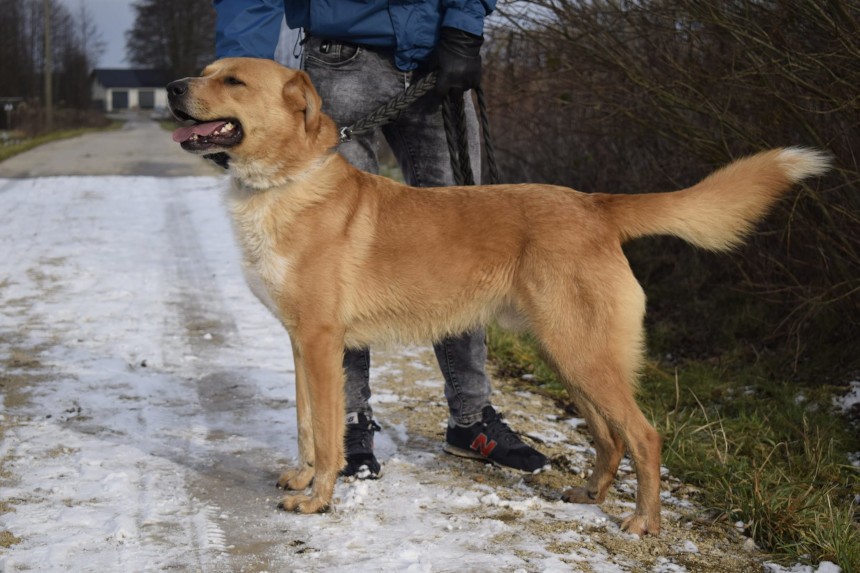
(264, 116)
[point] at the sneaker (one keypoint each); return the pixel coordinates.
(360, 461)
(492, 440)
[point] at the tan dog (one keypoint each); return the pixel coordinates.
(345, 258)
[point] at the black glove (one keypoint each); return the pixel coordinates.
(459, 55)
(220, 159)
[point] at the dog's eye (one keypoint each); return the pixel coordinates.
(233, 81)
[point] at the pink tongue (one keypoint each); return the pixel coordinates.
(202, 129)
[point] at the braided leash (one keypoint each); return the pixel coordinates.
(454, 117)
(489, 150)
(389, 112)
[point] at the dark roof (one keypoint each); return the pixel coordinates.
(116, 78)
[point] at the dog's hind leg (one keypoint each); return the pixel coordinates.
(321, 353)
(610, 398)
(610, 450)
(614, 400)
(644, 443)
(301, 478)
(591, 329)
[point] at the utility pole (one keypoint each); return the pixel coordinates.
(49, 70)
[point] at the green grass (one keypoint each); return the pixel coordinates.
(767, 452)
(8, 151)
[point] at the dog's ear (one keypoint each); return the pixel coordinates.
(300, 94)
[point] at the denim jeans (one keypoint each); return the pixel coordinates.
(354, 81)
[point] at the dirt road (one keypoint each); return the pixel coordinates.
(148, 407)
(139, 148)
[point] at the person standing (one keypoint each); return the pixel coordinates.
(359, 54)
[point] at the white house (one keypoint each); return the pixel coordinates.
(117, 89)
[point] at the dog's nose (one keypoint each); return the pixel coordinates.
(177, 88)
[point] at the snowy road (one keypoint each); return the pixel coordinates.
(148, 407)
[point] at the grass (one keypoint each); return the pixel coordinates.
(8, 151)
(765, 452)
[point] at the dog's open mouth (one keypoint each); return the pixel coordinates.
(205, 135)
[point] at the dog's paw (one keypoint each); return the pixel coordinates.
(296, 480)
(304, 504)
(640, 525)
(580, 495)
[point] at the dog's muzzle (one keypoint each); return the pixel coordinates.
(199, 135)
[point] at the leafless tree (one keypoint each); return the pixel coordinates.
(76, 45)
(175, 36)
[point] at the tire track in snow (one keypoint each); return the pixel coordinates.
(233, 457)
(92, 494)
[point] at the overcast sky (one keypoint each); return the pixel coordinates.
(112, 18)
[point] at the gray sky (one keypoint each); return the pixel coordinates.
(112, 18)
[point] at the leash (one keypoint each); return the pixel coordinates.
(389, 112)
(454, 117)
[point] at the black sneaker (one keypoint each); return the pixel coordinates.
(491, 439)
(360, 461)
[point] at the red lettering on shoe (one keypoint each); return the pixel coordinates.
(481, 445)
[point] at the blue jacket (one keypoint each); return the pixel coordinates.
(408, 27)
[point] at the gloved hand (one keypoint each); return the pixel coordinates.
(459, 55)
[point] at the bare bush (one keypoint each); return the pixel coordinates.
(639, 96)
(31, 122)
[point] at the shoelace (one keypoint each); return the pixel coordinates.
(500, 431)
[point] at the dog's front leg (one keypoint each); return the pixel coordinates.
(301, 477)
(321, 352)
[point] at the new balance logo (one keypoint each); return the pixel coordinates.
(482, 445)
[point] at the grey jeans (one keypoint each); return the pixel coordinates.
(353, 81)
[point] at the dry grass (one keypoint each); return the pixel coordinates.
(764, 452)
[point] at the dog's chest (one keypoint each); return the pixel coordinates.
(263, 286)
(266, 271)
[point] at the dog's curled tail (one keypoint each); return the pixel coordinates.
(718, 212)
